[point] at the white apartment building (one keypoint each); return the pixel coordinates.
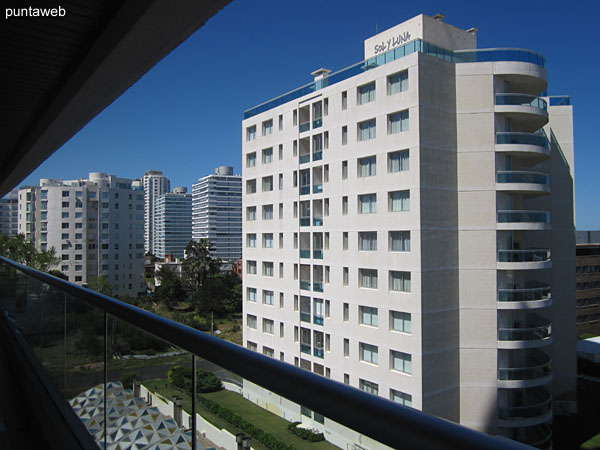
(217, 212)
(155, 184)
(96, 227)
(9, 223)
(408, 230)
(173, 223)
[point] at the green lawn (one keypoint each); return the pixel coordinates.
(254, 414)
(592, 444)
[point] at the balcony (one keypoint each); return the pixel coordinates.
(317, 221)
(317, 123)
(532, 370)
(524, 298)
(524, 407)
(304, 190)
(529, 111)
(304, 221)
(529, 336)
(304, 158)
(529, 146)
(318, 286)
(524, 259)
(523, 182)
(306, 348)
(317, 254)
(304, 126)
(318, 319)
(317, 156)
(304, 253)
(317, 188)
(305, 316)
(306, 286)
(523, 220)
(318, 352)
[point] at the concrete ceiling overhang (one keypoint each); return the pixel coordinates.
(58, 73)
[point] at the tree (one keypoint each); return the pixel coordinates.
(171, 291)
(100, 284)
(58, 274)
(199, 264)
(19, 249)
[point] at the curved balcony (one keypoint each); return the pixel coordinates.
(534, 371)
(532, 146)
(538, 258)
(531, 407)
(529, 111)
(513, 219)
(524, 182)
(539, 436)
(529, 336)
(524, 298)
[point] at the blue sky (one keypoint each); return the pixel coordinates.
(184, 116)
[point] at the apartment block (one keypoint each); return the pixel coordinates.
(173, 223)
(155, 184)
(408, 230)
(96, 226)
(588, 282)
(9, 222)
(217, 212)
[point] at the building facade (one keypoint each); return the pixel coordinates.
(155, 184)
(217, 212)
(9, 218)
(588, 282)
(96, 226)
(408, 223)
(173, 223)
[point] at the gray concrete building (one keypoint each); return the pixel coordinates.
(155, 184)
(408, 230)
(9, 218)
(173, 223)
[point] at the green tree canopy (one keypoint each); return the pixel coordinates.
(199, 264)
(19, 249)
(100, 284)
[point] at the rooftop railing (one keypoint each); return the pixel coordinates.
(80, 338)
(418, 45)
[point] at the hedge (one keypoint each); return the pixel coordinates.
(305, 434)
(206, 381)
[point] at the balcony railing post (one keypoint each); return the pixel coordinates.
(105, 377)
(194, 394)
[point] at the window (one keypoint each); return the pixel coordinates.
(251, 346)
(251, 159)
(367, 278)
(267, 155)
(267, 240)
(400, 321)
(344, 100)
(365, 93)
(398, 122)
(399, 241)
(400, 397)
(369, 353)
(400, 361)
(346, 312)
(64, 204)
(251, 213)
(367, 167)
(251, 186)
(280, 181)
(251, 240)
(280, 152)
(251, 269)
(346, 378)
(368, 316)
(251, 133)
(65, 236)
(397, 82)
(280, 270)
(64, 257)
(346, 276)
(367, 386)
(267, 269)
(65, 193)
(280, 240)
(267, 212)
(79, 224)
(345, 240)
(65, 225)
(267, 184)
(268, 297)
(281, 299)
(398, 161)
(399, 281)
(64, 247)
(65, 214)
(344, 135)
(346, 347)
(268, 326)
(44, 205)
(367, 241)
(345, 205)
(399, 201)
(367, 204)
(267, 127)
(344, 170)
(281, 330)
(79, 215)
(366, 130)
(251, 294)
(281, 210)
(280, 122)
(251, 321)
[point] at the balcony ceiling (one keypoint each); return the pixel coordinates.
(58, 73)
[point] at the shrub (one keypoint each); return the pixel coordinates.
(206, 381)
(305, 434)
(128, 378)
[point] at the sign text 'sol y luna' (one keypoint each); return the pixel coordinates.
(392, 42)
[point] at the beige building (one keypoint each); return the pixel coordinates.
(408, 230)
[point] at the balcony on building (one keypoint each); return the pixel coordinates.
(523, 329)
(304, 245)
(304, 150)
(524, 407)
(531, 146)
(529, 111)
(305, 277)
(318, 278)
(318, 213)
(524, 182)
(304, 309)
(519, 368)
(305, 341)
(317, 245)
(317, 147)
(304, 119)
(318, 311)
(318, 350)
(317, 183)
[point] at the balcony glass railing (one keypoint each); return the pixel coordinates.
(317, 156)
(318, 286)
(318, 319)
(305, 316)
(305, 285)
(317, 188)
(318, 254)
(531, 255)
(537, 139)
(531, 370)
(514, 176)
(524, 295)
(304, 221)
(305, 126)
(318, 221)
(560, 100)
(418, 45)
(304, 253)
(528, 333)
(318, 352)
(317, 123)
(64, 340)
(304, 158)
(515, 216)
(304, 190)
(534, 404)
(521, 100)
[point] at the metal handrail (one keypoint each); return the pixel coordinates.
(383, 420)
